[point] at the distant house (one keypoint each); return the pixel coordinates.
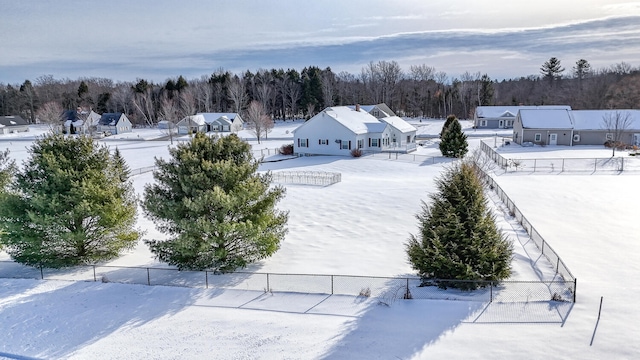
(589, 126)
(573, 127)
(543, 127)
(191, 124)
(338, 130)
(13, 124)
(79, 121)
(223, 122)
(379, 111)
(114, 123)
(503, 117)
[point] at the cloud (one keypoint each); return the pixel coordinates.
(501, 54)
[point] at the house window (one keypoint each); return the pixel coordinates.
(538, 137)
(576, 137)
(508, 123)
(374, 142)
(483, 122)
(302, 143)
(360, 143)
(344, 145)
(408, 139)
(609, 136)
(324, 142)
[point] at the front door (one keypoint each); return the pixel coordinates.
(553, 139)
(636, 139)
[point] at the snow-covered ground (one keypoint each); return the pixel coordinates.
(355, 227)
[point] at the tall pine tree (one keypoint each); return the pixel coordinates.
(458, 238)
(453, 142)
(218, 211)
(70, 204)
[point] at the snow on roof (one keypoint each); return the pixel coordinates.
(198, 119)
(359, 122)
(211, 117)
(383, 108)
(545, 119)
(512, 111)
(399, 124)
(594, 119)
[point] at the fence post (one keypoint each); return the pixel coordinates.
(491, 291)
(206, 279)
(535, 162)
(41, 272)
(267, 283)
(406, 295)
(562, 165)
(331, 284)
(94, 273)
(148, 277)
(622, 164)
(575, 288)
(595, 164)
(557, 264)
(542, 250)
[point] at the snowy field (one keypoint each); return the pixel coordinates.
(355, 227)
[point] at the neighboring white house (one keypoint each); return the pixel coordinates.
(13, 124)
(340, 129)
(114, 123)
(223, 122)
(191, 124)
(503, 117)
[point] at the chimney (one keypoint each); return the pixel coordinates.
(358, 107)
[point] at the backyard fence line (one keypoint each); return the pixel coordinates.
(384, 288)
(558, 264)
(320, 178)
(408, 157)
(554, 165)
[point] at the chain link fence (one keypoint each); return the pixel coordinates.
(546, 249)
(555, 165)
(384, 288)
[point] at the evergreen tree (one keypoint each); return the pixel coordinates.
(453, 142)
(446, 125)
(218, 211)
(552, 70)
(70, 204)
(458, 238)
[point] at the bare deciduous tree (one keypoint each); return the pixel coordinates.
(238, 94)
(143, 103)
(169, 112)
(258, 121)
(616, 123)
(50, 114)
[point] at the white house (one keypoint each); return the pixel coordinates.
(224, 122)
(340, 129)
(114, 123)
(191, 124)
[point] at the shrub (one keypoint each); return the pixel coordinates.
(356, 153)
(286, 149)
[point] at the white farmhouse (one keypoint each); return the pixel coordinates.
(340, 129)
(224, 122)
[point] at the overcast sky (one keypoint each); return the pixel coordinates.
(159, 39)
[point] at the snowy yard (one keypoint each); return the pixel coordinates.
(355, 227)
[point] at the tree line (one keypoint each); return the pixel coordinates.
(420, 91)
